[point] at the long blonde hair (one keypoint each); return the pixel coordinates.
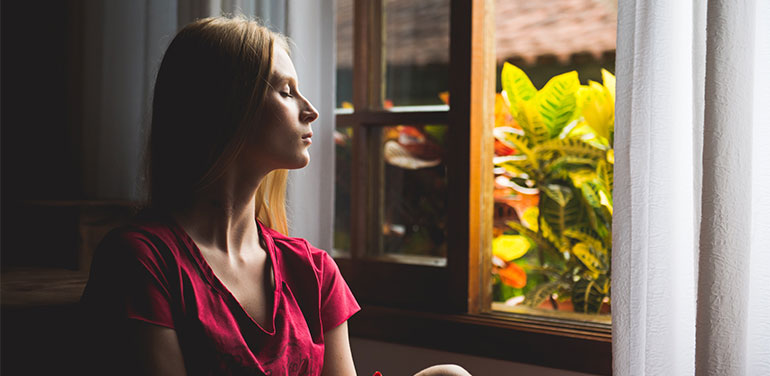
(211, 83)
(271, 201)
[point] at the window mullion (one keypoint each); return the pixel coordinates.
(481, 179)
(367, 96)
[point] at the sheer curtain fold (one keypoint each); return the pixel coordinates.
(688, 188)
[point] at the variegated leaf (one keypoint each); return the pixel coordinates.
(539, 294)
(591, 257)
(516, 86)
(571, 146)
(556, 101)
(587, 295)
(531, 121)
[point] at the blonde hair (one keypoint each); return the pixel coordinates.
(210, 86)
(271, 201)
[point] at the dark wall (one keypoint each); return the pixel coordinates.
(40, 105)
(40, 100)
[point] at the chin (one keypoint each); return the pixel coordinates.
(301, 162)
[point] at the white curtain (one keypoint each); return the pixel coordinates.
(310, 194)
(691, 287)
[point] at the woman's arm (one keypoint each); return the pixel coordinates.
(156, 349)
(337, 357)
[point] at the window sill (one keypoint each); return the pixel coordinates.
(544, 342)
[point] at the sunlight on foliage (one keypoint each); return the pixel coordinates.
(554, 144)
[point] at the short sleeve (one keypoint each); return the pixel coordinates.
(337, 301)
(129, 279)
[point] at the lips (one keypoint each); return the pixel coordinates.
(307, 137)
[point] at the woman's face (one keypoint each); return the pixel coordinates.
(283, 134)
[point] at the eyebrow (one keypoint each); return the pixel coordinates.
(278, 78)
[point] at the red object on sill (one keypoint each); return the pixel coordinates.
(377, 374)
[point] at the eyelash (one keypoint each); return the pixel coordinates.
(286, 95)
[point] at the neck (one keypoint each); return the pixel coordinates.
(223, 215)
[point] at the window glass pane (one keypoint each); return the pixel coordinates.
(343, 155)
(416, 53)
(553, 157)
(344, 54)
(411, 201)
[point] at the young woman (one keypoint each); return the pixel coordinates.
(196, 285)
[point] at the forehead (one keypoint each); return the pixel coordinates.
(283, 68)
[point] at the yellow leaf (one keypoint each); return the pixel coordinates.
(589, 257)
(598, 108)
(530, 216)
(510, 247)
(609, 82)
(579, 177)
(605, 201)
(503, 117)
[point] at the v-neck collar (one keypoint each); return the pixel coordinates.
(215, 282)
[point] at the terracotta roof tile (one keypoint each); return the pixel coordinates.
(418, 31)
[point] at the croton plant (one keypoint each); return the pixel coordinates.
(553, 191)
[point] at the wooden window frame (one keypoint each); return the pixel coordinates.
(447, 308)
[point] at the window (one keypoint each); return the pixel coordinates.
(415, 182)
(554, 122)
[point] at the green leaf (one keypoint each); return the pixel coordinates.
(549, 272)
(597, 226)
(556, 101)
(587, 295)
(590, 190)
(542, 243)
(587, 236)
(437, 132)
(592, 257)
(572, 147)
(517, 86)
(516, 168)
(517, 141)
(537, 295)
(559, 207)
(558, 193)
(567, 162)
(551, 236)
(531, 121)
(605, 172)
(531, 163)
(579, 176)
(502, 292)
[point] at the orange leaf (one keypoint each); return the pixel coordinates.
(502, 149)
(444, 95)
(513, 275)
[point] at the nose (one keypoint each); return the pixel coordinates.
(309, 114)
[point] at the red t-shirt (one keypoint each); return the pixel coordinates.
(152, 271)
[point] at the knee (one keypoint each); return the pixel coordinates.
(444, 370)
